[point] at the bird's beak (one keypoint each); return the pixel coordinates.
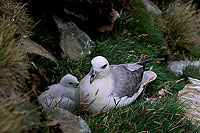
(93, 76)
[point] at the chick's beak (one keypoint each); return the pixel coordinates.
(76, 85)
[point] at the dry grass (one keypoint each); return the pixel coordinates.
(18, 115)
(16, 15)
(14, 25)
(165, 115)
(181, 28)
(12, 61)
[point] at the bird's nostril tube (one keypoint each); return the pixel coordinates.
(92, 76)
(77, 84)
(94, 73)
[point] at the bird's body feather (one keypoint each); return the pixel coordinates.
(118, 85)
(62, 95)
(58, 90)
(125, 80)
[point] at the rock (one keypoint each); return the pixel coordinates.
(151, 7)
(29, 46)
(179, 66)
(196, 3)
(191, 97)
(40, 67)
(91, 16)
(74, 42)
(68, 123)
(194, 81)
(112, 17)
(97, 15)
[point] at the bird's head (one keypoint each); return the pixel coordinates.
(69, 81)
(100, 68)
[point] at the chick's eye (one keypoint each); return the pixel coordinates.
(104, 66)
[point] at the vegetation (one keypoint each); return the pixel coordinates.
(17, 113)
(166, 115)
(181, 29)
(136, 32)
(191, 71)
(16, 16)
(13, 67)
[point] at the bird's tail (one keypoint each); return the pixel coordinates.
(142, 61)
(142, 58)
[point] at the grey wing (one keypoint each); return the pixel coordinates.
(67, 103)
(58, 90)
(67, 92)
(125, 80)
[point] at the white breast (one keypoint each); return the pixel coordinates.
(98, 92)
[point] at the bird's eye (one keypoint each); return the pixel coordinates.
(70, 83)
(104, 66)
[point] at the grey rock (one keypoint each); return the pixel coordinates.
(151, 7)
(68, 123)
(91, 15)
(74, 42)
(179, 66)
(112, 18)
(29, 46)
(190, 95)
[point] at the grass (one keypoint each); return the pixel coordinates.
(181, 29)
(13, 68)
(18, 115)
(162, 4)
(191, 71)
(166, 115)
(15, 13)
(14, 25)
